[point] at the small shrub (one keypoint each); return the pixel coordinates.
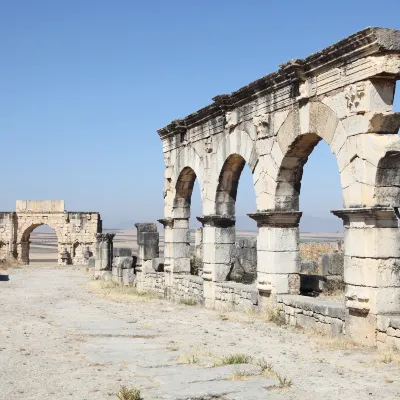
(283, 381)
(234, 359)
(129, 394)
(188, 302)
(276, 317)
(223, 317)
(266, 367)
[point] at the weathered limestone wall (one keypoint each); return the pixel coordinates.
(235, 296)
(388, 335)
(324, 316)
(6, 234)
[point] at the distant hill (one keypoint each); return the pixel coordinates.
(308, 223)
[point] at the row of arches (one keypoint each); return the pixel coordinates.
(367, 168)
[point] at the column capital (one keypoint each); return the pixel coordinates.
(105, 237)
(369, 215)
(217, 221)
(166, 222)
(169, 222)
(277, 219)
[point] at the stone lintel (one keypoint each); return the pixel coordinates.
(217, 221)
(367, 214)
(278, 219)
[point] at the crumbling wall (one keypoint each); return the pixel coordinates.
(324, 316)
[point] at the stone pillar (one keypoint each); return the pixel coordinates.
(278, 258)
(218, 246)
(23, 252)
(176, 247)
(371, 269)
(65, 257)
(198, 252)
(148, 243)
(218, 252)
(104, 251)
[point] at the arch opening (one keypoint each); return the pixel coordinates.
(40, 245)
(309, 181)
(230, 204)
(396, 98)
(186, 185)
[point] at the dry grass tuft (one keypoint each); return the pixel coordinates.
(335, 342)
(189, 358)
(9, 262)
(234, 359)
(389, 356)
(189, 302)
(118, 292)
(240, 374)
(277, 317)
(129, 394)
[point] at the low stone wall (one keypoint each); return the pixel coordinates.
(308, 312)
(235, 296)
(151, 281)
(388, 335)
(187, 288)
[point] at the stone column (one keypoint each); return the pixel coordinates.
(148, 243)
(176, 247)
(104, 252)
(371, 269)
(278, 258)
(218, 246)
(23, 252)
(218, 252)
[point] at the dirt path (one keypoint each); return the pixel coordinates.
(59, 340)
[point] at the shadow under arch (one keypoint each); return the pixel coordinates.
(183, 193)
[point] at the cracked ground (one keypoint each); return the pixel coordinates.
(62, 336)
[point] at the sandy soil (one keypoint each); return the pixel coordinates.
(62, 339)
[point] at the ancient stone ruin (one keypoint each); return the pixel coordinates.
(76, 231)
(342, 95)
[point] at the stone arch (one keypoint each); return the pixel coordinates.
(302, 130)
(187, 160)
(233, 152)
(23, 239)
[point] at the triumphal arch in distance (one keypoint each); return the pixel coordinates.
(342, 95)
(76, 231)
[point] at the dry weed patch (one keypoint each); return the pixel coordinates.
(129, 394)
(117, 292)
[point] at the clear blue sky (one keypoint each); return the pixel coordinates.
(85, 85)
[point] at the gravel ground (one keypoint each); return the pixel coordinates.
(62, 339)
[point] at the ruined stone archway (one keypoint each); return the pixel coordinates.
(72, 229)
